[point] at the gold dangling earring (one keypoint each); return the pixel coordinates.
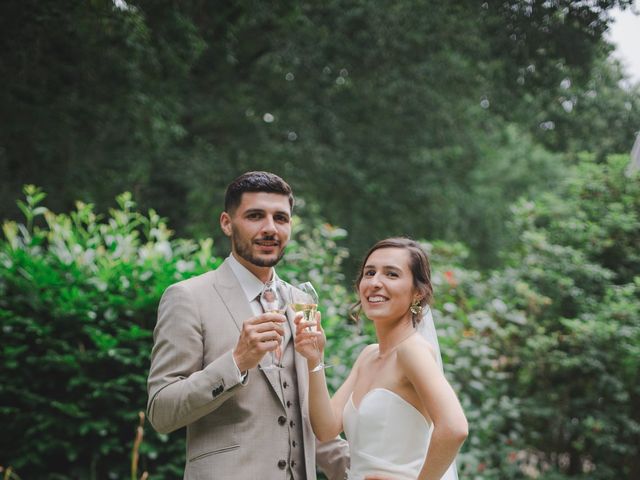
(415, 307)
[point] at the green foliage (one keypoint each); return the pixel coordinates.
(572, 357)
(78, 299)
(364, 107)
(597, 115)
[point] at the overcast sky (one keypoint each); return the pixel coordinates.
(625, 34)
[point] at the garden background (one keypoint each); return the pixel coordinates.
(495, 132)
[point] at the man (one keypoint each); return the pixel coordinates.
(210, 342)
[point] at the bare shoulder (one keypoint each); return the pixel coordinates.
(364, 357)
(366, 354)
(415, 349)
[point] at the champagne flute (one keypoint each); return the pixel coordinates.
(304, 298)
(273, 300)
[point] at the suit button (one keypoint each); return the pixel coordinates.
(293, 443)
(293, 463)
(288, 403)
(282, 464)
(285, 384)
(282, 420)
(217, 391)
(291, 423)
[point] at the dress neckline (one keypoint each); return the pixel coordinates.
(393, 394)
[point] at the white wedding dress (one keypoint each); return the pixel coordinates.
(387, 435)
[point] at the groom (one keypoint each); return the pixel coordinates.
(211, 342)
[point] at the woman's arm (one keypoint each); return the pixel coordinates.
(325, 413)
(450, 427)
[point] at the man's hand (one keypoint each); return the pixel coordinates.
(259, 335)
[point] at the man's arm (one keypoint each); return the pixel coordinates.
(332, 458)
(180, 390)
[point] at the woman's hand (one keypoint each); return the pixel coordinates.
(308, 342)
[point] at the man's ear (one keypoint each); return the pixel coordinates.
(225, 223)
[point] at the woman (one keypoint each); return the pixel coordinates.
(399, 413)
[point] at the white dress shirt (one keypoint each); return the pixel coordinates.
(252, 287)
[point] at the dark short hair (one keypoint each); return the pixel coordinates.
(255, 182)
(418, 264)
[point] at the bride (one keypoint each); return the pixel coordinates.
(400, 415)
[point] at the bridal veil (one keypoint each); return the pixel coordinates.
(427, 329)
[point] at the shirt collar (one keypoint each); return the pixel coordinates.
(251, 285)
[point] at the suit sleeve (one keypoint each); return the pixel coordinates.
(332, 458)
(180, 390)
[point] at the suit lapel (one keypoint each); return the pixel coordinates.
(232, 295)
(272, 376)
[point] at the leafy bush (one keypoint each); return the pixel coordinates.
(570, 338)
(78, 295)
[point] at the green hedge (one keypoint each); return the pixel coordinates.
(78, 295)
(573, 357)
(548, 364)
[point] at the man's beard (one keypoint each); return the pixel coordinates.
(243, 249)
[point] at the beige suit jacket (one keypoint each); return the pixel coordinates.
(233, 427)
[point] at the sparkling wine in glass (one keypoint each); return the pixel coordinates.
(304, 298)
(273, 300)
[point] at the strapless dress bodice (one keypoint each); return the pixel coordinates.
(386, 435)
